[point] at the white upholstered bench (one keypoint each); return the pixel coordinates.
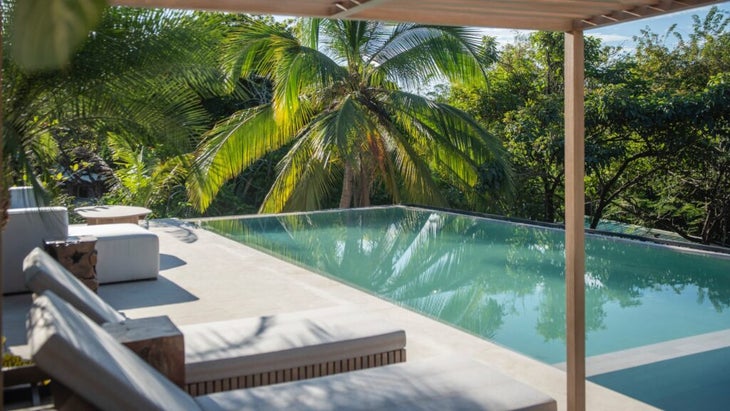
(125, 251)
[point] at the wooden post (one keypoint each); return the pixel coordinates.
(574, 219)
(157, 341)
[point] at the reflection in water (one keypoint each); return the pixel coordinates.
(500, 280)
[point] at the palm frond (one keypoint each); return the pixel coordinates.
(408, 163)
(167, 113)
(416, 53)
(307, 174)
(301, 183)
(348, 123)
(298, 77)
(308, 31)
(229, 148)
(448, 138)
(255, 47)
(296, 71)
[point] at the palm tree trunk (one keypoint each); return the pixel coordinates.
(364, 191)
(346, 197)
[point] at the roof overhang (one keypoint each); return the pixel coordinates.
(551, 15)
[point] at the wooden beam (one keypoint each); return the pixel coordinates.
(574, 219)
(350, 7)
(476, 18)
(553, 15)
(299, 8)
(641, 11)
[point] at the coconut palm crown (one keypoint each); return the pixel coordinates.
(337, 104)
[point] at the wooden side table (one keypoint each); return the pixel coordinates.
(77, 255)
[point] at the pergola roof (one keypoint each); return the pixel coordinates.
(552, 15)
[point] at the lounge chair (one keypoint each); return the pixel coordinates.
(88, 362)
(250, 351)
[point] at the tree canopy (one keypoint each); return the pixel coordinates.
(656, 128)
(195, 113)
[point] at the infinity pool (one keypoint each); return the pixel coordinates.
(500, 280)
(505, 282)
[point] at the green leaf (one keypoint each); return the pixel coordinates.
(46, 33)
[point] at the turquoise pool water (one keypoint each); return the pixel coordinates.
(500, 280)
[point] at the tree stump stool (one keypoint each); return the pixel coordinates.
(77, 255)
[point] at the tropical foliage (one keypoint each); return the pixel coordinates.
(656, 128)
(692, 195)
(181, 111)
(58, 28)
(136, 77)
(338, 105)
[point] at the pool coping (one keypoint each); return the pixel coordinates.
(653, 353)
(722, 252)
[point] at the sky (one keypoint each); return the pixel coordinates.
(622, 34)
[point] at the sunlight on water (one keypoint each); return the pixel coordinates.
(500, 280)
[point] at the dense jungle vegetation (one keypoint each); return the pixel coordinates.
(192, 113)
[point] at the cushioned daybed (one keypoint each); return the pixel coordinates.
(250, 351)
(79, 355)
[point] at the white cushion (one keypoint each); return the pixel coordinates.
(125, 252)
(83, 357)
(442, 383)
(231, 348)
(43, 272)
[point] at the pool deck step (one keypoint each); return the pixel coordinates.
(652, 353)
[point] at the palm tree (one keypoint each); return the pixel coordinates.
(338, 105)
(139, 75)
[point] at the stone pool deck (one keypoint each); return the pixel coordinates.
(205, 277)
